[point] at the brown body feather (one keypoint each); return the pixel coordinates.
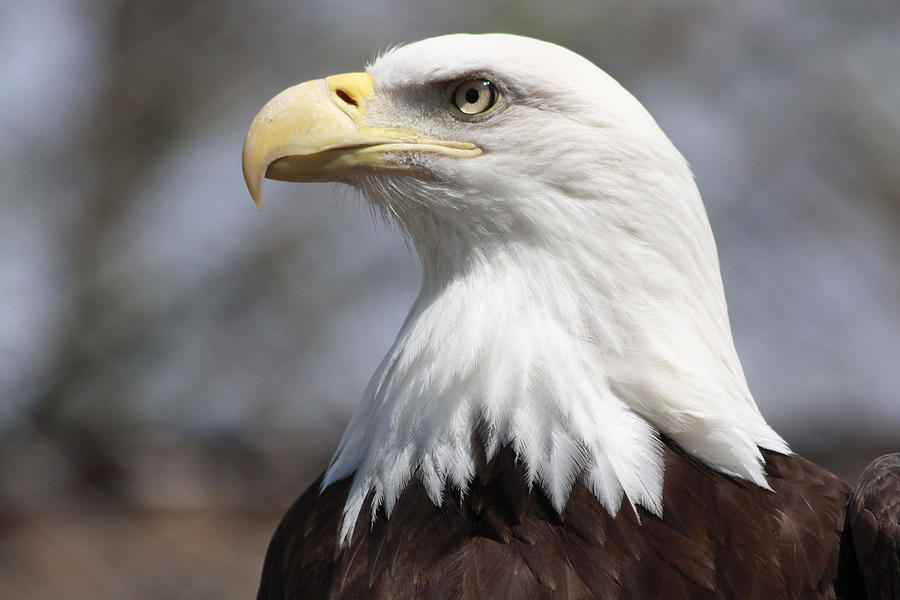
(719, 537)
(874, 522)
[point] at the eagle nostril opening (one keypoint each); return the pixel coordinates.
(346, 97)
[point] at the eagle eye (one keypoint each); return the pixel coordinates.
(475, 96)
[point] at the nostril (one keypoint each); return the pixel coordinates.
(346, 97)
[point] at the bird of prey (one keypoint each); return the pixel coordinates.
(563, 413)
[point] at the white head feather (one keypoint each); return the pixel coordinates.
(571, 304)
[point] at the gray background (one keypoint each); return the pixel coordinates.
(175, 367)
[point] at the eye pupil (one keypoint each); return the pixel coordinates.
(472, 96)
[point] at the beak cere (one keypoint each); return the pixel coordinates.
(317, 131)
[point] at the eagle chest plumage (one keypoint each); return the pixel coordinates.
(563, 413)
(719, 537)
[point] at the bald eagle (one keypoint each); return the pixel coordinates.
(563, 413)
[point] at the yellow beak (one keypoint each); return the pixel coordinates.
(317, 131)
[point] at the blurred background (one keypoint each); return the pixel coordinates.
(176, 367)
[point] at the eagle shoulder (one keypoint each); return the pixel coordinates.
(719, 537)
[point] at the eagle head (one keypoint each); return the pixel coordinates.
(571, 305)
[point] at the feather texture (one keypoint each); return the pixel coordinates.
(718, 537)
(874, 520)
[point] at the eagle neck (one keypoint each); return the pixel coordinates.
(494, 354)
(555, 344)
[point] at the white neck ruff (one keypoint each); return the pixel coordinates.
(545, 353)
